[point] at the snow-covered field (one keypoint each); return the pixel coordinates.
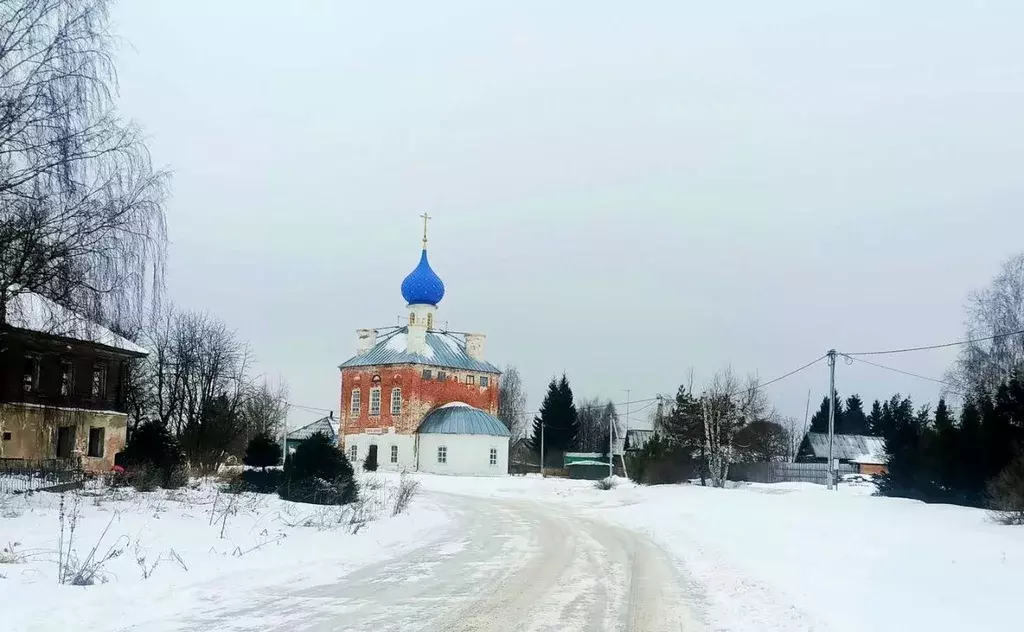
(755, 557)
(795, 556)
(183, 556)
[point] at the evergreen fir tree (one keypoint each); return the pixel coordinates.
(559, 418)
(875, 419)
(902, 430)
(684, 430)
(819, 422)
(855, 422)
(262, 451)
(970, 477)
(945, 454)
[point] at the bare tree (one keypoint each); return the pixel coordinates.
(195, 382)
(762, 441)
(996, 310)
(81, 208)
(795, 432)
(726, 407)
(265, 408)
(597, 417)
(512, 402)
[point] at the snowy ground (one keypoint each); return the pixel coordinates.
(267, 545)
(525, 553)
(798, 557)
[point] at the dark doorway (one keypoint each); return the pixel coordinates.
(372, 456)
(65, 441)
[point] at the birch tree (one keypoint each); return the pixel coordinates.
(727, 405)
(81, 208)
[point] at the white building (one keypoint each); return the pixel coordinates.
(459, 439)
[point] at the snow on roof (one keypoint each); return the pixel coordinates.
(324, 425)
(442, 349)
(854, 448)
(451, 404)
(34, 312)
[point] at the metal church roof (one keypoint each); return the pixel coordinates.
(459, 418)
(444, 349)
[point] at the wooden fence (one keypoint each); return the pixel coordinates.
(28, 475)
(786, 472)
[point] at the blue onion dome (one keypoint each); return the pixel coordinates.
(423, 286)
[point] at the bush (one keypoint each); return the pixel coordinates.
(262, 451)
(407, 488)
(606, 483)
(259, 481)
(152, 444)
(370, 463)
(318, 472)
(1006, 493)
(317, 491)
(659, 463)
(144, 478)
(152, 458)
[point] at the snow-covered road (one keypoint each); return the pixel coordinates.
(500, 564)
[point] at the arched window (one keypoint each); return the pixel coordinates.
(374, 401)
(396, 401)
(412, 318)
(356, 401)
(430, 321)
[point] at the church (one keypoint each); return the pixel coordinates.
(419, 397)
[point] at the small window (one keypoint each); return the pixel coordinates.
(374, 401)
(442, 454)
(455, 378)
(412, 318)
(471, 380)
(67, 378)
(30, 379)
(394, 454)
(430, 321)
(99, 380)
(96, 442)
(428, 374)
(396, 401)
(353, 452)
(485, 381)
(355, 402)
(494, 457)
(441, 376)
(7, 436)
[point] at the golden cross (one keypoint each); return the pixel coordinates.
(425, 218)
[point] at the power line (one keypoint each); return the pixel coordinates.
(310, 408)
(781, 377)
(939, 346)
(901, 371)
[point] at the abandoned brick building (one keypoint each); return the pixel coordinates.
(62, 393)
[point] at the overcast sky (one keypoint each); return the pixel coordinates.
(620, 193)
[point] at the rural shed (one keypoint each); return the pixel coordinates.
(325, 425)
(864, 451)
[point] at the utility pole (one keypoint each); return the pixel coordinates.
(623, 456)
(542, 448)
(831, 413)
(611, 445)
(284, 435)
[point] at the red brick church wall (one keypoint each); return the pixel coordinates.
(419, 396)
